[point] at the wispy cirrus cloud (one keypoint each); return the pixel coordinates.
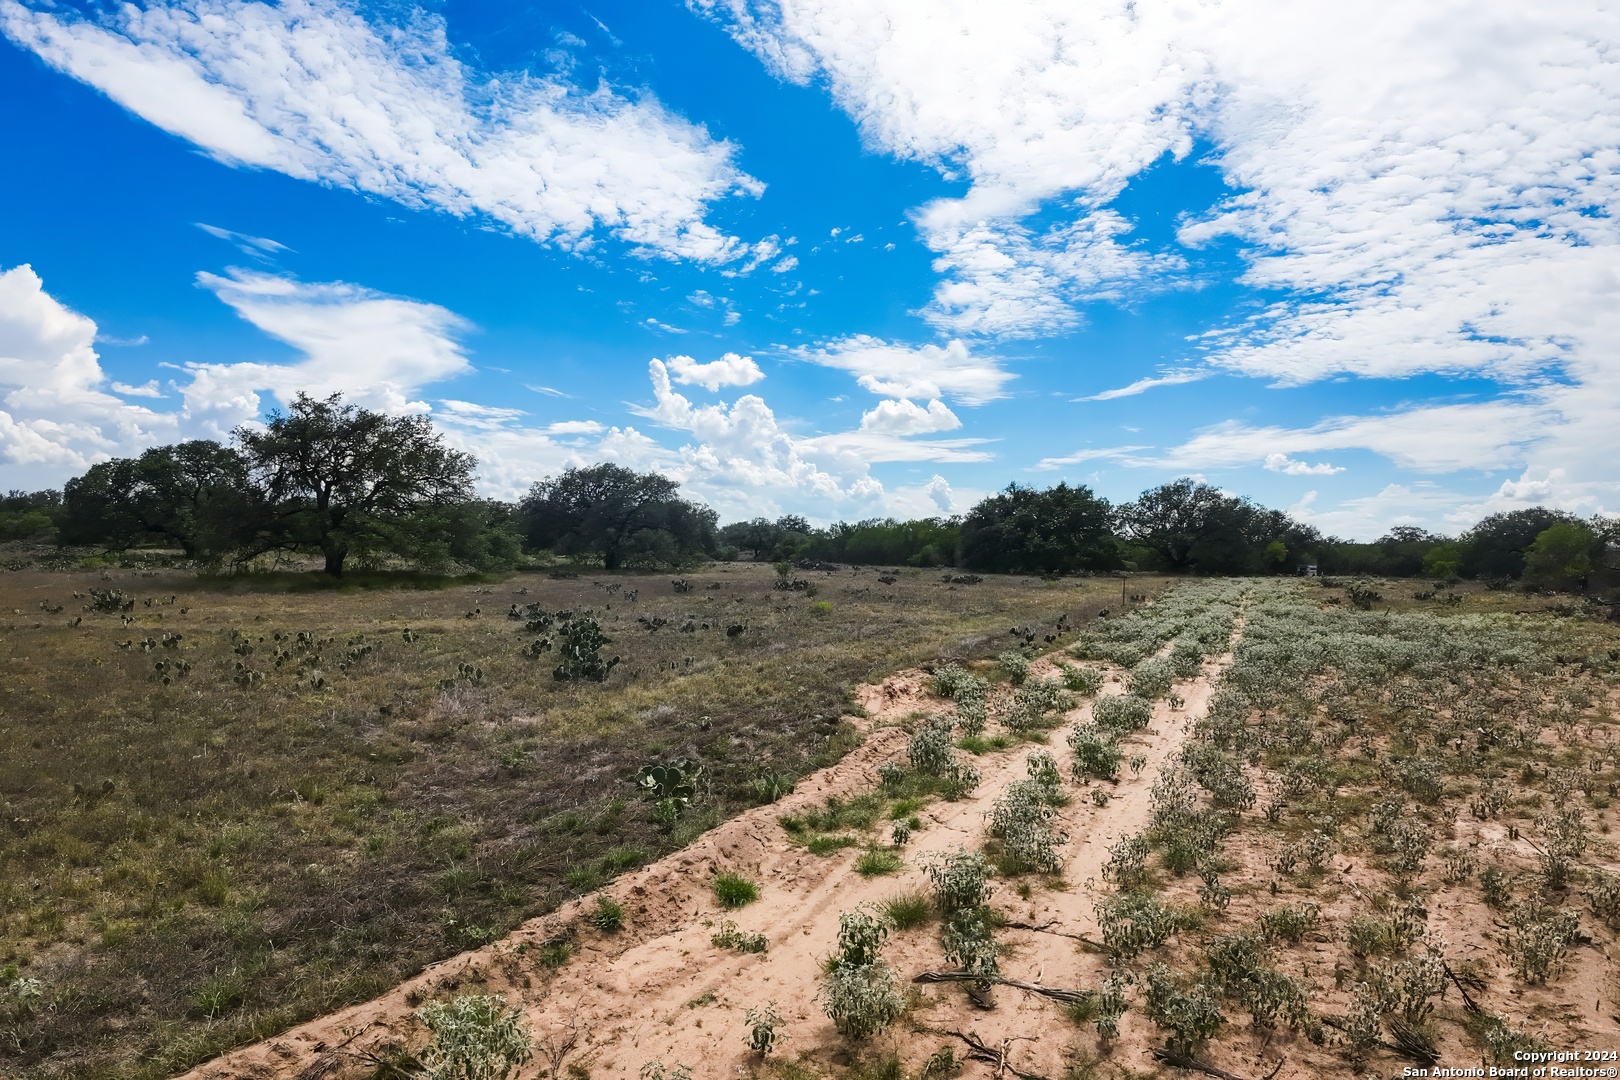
(1143, 385)
(313, 89)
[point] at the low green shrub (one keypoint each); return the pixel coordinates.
(1096, 754)
(474, 1037)
(1121, 714)
(1015, 665)
(1191, 1014)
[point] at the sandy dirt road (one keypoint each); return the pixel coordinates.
(659, 990)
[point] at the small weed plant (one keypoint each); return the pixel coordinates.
(729, 937)
(764, 1025)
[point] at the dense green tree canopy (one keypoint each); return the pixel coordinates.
(1498, 545)
(1059, 530)
(624, 517)
(1193, 526)
(763, 538)
(344, 481)
(1561, 556)
(29, 516)
(194, 495)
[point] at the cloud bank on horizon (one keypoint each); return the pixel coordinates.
(1401, 304)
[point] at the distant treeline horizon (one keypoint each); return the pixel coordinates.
(357, 487)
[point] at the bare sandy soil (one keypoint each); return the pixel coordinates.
(659, 990)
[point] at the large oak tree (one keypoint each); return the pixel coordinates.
(343, 480)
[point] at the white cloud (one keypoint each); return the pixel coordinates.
(664, 327)
(1424, 188)
(1422, 503)
(472, 415)
(311, 89)
(382, 352)
(258, 246)
(742, 446)
(784, 265)
(891, 369)
(376, 349)
(906, 417)
(1284, 464)
(760, 253)
(147, 389)
(1125, 455)
(1174, 378)
(1367, 141)
(743, 461)
(729, 370)
(865, 447)
(939, 490)
(55, 418)
(575, 427)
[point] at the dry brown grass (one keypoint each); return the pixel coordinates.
(190, 865)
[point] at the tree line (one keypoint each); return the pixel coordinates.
(350, 486)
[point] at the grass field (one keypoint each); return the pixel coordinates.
(1256, 828)
(239, 804)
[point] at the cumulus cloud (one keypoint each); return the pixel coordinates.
(939, 490)
(743, 460)
(377, 350)
(56, 417)
(311, 89)
(1284, 464)
(905, 417)
(742, 445)
(892, 369)
(383, 352)
(729, 370)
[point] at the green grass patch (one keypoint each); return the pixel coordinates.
(985, 744)
(734, 891)
(875, 861)
(908, 910)
(827, 845)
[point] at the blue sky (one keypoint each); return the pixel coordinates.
(849, 259)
